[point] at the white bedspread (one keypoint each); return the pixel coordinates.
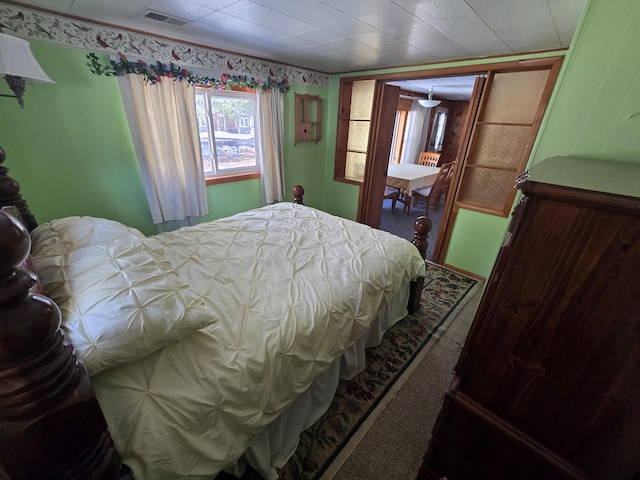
(291, 287)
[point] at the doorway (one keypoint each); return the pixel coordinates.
(487, 122)
(437, 129)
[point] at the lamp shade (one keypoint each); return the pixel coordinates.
(430, 103)
(17, 60)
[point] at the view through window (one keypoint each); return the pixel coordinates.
(227, 122)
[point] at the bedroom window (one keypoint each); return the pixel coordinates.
(227, 122)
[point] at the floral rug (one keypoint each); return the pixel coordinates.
(357, 398)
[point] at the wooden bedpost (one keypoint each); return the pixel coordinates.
(298, 193)
(51, 425)
(10, 196)
(422, 227)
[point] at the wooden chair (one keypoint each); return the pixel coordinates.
(447, 182)
(430, 159)
(433, 191)
(391, 193)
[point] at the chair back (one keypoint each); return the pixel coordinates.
(430, 159)
(443, 178)
(447, 182)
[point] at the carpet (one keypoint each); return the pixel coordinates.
(356, 399)
(401, 224)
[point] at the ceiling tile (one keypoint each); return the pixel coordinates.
(351, 28)
(432, 11)
(61, 5)
(357, 8)
(349, 34)
(252, 12)
(184, 10)
(319, 36)
(109, 11)
(210, 4)
(395, 16)
(317, 14)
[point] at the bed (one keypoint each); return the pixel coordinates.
(207, 348)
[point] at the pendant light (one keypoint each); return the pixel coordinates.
(430, 103)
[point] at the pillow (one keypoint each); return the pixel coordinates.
(119, 302)
(60, 236)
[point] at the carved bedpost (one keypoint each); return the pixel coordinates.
(298, 193)
(51, 425)
(10, 196)
(422, 228)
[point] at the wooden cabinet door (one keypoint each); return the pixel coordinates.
(548, 378)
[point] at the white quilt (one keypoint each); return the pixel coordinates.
(288, 288)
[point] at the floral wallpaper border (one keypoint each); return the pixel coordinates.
(36, 25)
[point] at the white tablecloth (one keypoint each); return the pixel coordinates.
(409, 176)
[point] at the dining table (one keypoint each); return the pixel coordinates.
(408, 177)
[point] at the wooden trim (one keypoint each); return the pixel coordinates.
(342, 131)
(585, 198)
(518, 437)
(446, 225)
(503, 168)
(553, 64)
(464, 272)
(483, 209)
(231, 178)
(385, 104)
(460, 70)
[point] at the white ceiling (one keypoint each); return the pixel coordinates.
(335, 36)
(449, 88)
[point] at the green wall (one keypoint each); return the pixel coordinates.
(304, 163)
(70, 147)
(593, 112)
(71, 150)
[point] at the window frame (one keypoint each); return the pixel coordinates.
(240, 173)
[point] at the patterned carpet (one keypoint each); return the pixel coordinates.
(355, 399)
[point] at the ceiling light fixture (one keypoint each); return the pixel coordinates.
(17, 64)
(430, 103)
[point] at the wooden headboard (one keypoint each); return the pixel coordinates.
(10, 194)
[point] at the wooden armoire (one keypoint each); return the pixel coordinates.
(548, 382)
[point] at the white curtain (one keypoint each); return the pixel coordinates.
(270, 144)
(162, 120)
(415, 133)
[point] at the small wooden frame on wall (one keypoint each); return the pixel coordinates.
(308, 118)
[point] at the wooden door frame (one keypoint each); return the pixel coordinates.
(449, 212)
(385, 105)
(451, 207)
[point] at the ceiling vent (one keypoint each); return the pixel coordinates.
(162, 17)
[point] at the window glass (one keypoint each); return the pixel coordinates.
(359, 125)
(228, 128)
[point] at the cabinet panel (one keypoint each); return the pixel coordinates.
(551, 367)
(487, 454)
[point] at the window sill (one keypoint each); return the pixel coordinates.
(232, 178)
(348, 180)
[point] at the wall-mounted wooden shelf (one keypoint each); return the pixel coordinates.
(308, 118)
